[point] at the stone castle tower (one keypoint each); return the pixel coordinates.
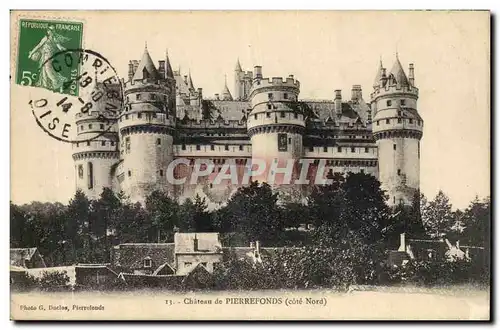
(146, 127)
(397, 128)
(274, 128)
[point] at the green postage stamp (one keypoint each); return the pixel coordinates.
(39, 41)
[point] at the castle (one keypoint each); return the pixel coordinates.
(165, 119)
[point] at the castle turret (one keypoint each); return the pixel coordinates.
(146, 127)
(226, 94)
(97, 150)
(397, 128)
(275, 125)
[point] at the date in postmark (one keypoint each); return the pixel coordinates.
(91, 113)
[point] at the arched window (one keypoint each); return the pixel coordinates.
(145, 74)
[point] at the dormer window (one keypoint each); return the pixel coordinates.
(148, 262)
(145, 74)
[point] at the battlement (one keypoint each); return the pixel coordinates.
(143, 84)
(392, 89)
(93, 115)
(334, 125)
(276, 82)
(211, 124)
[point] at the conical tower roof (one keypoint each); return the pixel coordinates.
(378, 76)
(226, 94)
(190, 81)
(398, 73)
(146, 65)
(238, 66)
(169, 72)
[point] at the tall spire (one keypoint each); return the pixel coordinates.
(398, 73)
(168, 70)
(190, 81)
(238, 65)
(226, 94)
(146, 68)
(378, 76)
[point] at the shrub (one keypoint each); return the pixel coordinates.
(51, 281)
(22, 281)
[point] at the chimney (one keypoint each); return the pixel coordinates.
(195, 243)
(356, 92)
(402, 242)
(257, 248)
(161, 68)
(130, 70)
(338, 102)
(200, 92)
(257, 72)
(290, 76)
(217, 96)
(411, 75)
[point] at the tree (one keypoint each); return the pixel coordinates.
(253, 211)
(477, 222)
(77, 224)
(105, 215)
(437, 216)
(163, 213)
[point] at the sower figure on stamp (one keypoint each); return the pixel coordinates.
(49, 45)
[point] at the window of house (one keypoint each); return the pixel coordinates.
(129, 173)
(403, 102)
(325, 149)
(158, 141)
(269, 106)
(183, 147)
(282, 114)
(101, 126)
(161, 172)
(137, 96)
(353, 149)
(362, 171)
(399, 120)
(241, 147)
(212, 147)
(147, 262)
(127, 144)
(152, 96)
(204, 264)
(187, 264)
(339, 149)
(226, 148)
(389, 103)
(103, 143)
(387, 121)
(88, 143)
(112, 143)
(289, 140)
(154, 114)
(139, 115)
(394, 146)
(198, 147)
(411, 121)
(399, 171)
(367, 150)
(270, 96)
(378, 122)
(81, 128)
(126, 116)
(399, 113)
(275, 107)
(285, 96)
(255, 116)
(268, 114)
(90, 126)
(311, 148)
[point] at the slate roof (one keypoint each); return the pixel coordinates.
(132, 255)
(398, 73)
(19, 255)
(146, 63)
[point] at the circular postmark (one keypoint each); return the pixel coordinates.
(79, 96)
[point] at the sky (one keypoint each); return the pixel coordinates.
(324, 50)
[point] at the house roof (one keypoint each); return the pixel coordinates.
(19, 255)
(132, 255)
(398, 73)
